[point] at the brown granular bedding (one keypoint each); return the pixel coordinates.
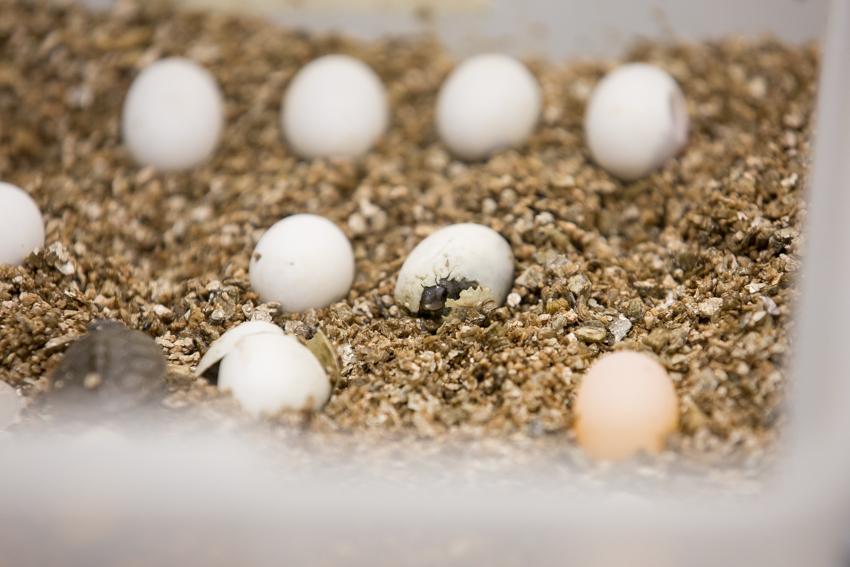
(695, 263)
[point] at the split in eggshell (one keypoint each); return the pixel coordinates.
(636, 120)
(454, 262)
(626, 403)
(269, 372)
(225, 343)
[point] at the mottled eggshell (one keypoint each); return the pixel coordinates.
(335, 106)
(302, 262)
(173, 115)
(488, 103)
(270, 372)
(21, 225)
(626, 403)
(226, 342)
(467, 252)
(636, 120)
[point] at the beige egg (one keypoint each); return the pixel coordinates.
(626, 403)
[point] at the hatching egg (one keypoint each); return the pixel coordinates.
(626, 403)
(173, 115)
(488, 103)
(636, 120)
(226, 342)
(335, 106)
(271, 372)
(457, 259)
(302, 262)
(21, 225)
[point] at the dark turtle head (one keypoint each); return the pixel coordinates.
(434, 297)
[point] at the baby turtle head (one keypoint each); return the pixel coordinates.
(434, 297)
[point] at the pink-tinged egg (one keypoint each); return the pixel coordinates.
(626, 403)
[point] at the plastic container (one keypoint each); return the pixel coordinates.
(215, 501)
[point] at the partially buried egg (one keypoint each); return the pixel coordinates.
(636, 120)
(626, 403)
(302, 262)
(456, 260)
(489, 102)
(173, 115)
(21, 225)
(335, 106)
(270, 372)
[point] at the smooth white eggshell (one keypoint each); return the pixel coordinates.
(302, 262)
(225, 343)
(335, 106)
(461, 251)
(626, 403)
(21, 225)
(270, 372)
(636, 120)
(173, 115)
(488, 103)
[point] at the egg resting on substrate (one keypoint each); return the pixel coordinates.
(226, 342)
(488, 103)
(302, 262)
(269, 372)
(626, 403)
(636, 120)
(454, 261)
(335, 106)
(21, 225)
(173, 115)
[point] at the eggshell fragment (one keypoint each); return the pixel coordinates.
(226, 342)
(21, 225)
(488, 103)
(465, 252)
(626, 403)
(270, 372)
(335, 106)
(173, 115)
(302, 262)
(636, 120)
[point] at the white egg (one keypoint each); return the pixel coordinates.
(21, 225)
(452, 260)
(302, 262)
(335, 106)
(488, 103)
(270, 372)
(173, 115)
(626, 403)
(636, 120)
(225, 343)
